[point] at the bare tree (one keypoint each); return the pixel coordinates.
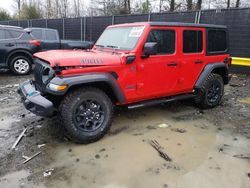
(160, 5)
(198, 5)
(49, 9)
(18, 4)
(189, 4)
(172, 5)
(76, 8)
(228, 3)
(237, 5)
(65, 5)
(128, 6)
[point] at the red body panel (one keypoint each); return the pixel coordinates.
(145, 78)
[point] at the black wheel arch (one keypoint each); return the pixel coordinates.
(19, 52)
(217, 68)
(104, 81)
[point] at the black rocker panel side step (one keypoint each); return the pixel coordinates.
(160, 101)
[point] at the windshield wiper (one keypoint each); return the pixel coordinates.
(111, 46)
(99, 45)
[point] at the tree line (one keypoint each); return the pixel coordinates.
(35, 9)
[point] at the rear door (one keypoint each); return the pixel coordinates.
(157, 74)
(193, 56)
(7, 44)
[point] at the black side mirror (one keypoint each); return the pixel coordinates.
(88, 45)
(150, 48)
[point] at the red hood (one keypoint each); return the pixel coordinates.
(66, 58)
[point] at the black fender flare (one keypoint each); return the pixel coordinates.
(207, 71)
(88, 79)
(18, 51)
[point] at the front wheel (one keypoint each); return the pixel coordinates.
(211, 93)
(86, 114)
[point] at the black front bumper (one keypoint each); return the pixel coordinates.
(34, 101)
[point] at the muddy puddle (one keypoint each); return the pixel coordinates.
(202, 156)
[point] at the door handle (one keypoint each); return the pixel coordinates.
(9, 45)
(172, 64)
(198, 62)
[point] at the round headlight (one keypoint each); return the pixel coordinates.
(47, 74)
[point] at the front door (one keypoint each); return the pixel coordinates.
(157, 74)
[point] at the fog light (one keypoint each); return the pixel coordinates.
(55, 87)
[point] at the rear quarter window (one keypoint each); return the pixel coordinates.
(26, 36)
(216, 41)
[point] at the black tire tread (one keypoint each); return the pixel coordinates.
(200, 98)
(64, 110)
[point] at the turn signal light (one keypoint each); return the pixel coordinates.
(55, 87)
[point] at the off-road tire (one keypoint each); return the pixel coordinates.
(71, 103)
(26, 61)
(202, 96)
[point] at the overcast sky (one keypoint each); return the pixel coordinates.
(7, 5)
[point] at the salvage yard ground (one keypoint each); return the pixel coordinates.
(208, 148)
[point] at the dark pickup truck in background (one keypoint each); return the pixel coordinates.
(50, 40)
(17, 46)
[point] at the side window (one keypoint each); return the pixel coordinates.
(8, 35)
(192, 41)
(37, 33)
(165, 40)
(50, 35)
(14, 34)
(2, 34)
(217, 40)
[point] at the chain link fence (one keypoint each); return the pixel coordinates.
(90, 28)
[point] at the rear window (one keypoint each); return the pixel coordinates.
(217, 40)
(50, 35)
(192, 41)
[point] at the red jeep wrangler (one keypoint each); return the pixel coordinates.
(137, 64)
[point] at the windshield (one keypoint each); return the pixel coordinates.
(124, 38)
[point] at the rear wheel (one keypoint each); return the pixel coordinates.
(211, 93)
(86, 114)
(20, 65)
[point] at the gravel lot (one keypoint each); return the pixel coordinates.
(209, 148)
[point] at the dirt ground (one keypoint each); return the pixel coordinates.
(209, 148)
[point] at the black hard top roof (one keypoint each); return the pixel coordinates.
(181, 24)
